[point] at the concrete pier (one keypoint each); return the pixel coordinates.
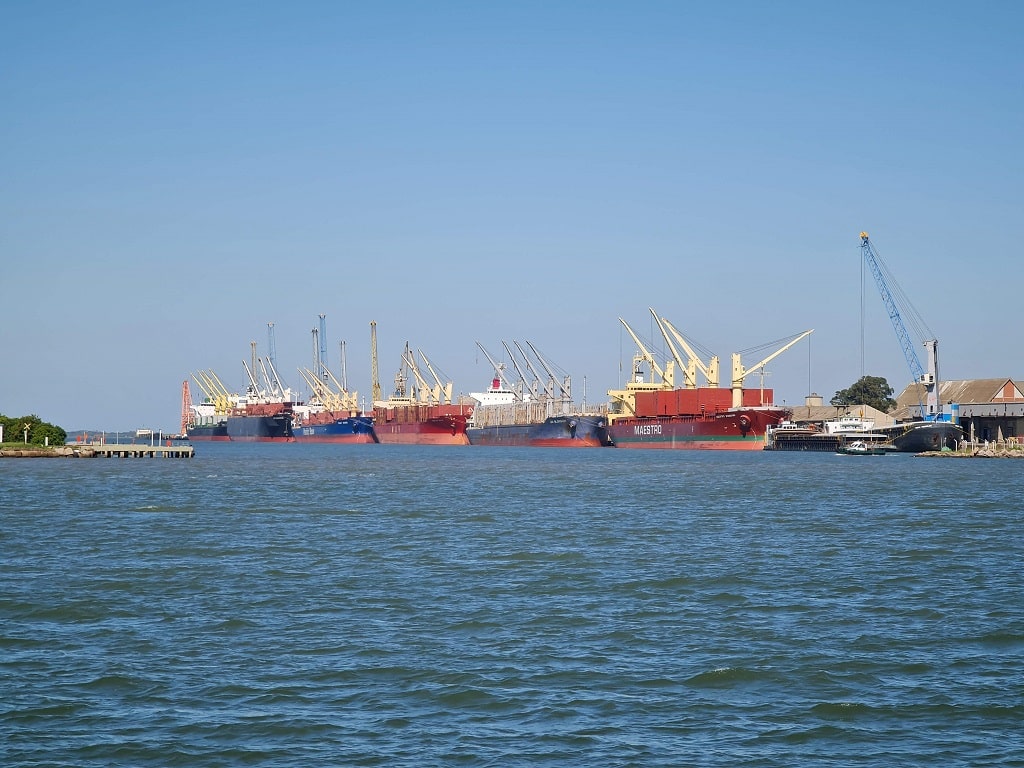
(132, 451)
(104, 450)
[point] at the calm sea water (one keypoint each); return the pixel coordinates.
(296, 605)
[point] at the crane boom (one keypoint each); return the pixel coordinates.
(667, 375)
(499, 369)
(533, 388)
(710, 370)
(564, 386)
(931, 408)
(739, 373)
(443, 389)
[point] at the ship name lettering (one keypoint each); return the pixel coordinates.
(647, 429)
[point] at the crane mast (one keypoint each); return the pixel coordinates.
(374, 375)
(931, 408)
(322, 354)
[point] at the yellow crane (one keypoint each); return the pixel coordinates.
(739, 373)
(622, 402)
(710, 370)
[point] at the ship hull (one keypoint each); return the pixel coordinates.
(209, 433)
(260, 429)
(570, 432)
(740, 429)
(923, 436)
(440, 431)
(500, 434)
(554, 432)
(353, 429)
(422, 424)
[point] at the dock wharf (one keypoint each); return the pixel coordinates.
(105, 450)
(134, 451)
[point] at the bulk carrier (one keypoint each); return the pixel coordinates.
(654, 413)
(331, 415)
(418, 413)
(521, 414)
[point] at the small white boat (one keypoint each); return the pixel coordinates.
(860, 448)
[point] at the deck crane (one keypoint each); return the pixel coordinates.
(443, 390)
(931, 408)
(424, 394)
(272, 387)
(689, 367)
(666, 375)
(499, 371)
(281, 390)
(739, 373)
(254, 389)
(272, 348)
(374, 375)
(622, 402)
(710, 370)
(564, 386)
(214, 390)
(549, 389)
(321, 392)
(534, 388)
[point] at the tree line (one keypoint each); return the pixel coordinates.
(15, 427)
(867, 390)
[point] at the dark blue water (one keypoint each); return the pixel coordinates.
(294, 605)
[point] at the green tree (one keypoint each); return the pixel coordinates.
(38, 430)
(867, 390)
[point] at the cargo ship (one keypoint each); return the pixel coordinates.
(575, 431)
(206, 424)
(511, 415)
(922, 436)
(332, 413)
(582, 430)
(332, 427)
(420, 424)
(261, 422)
(419, 414)
(654, 413)
(701, 418)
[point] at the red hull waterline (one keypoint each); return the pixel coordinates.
(422, 425)
(556, 442)
(422, 433)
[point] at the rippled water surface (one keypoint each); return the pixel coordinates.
(297, 605)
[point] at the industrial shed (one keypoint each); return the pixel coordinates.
(988, 409)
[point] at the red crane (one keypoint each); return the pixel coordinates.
(186, 408)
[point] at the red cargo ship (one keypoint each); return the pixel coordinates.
(700, 418)
(657, 414)
(397, 422)
(418, 414)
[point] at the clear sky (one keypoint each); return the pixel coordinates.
(175, 176)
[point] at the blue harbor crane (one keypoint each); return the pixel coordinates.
(931, 408)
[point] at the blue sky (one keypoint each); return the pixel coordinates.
(177, 176)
